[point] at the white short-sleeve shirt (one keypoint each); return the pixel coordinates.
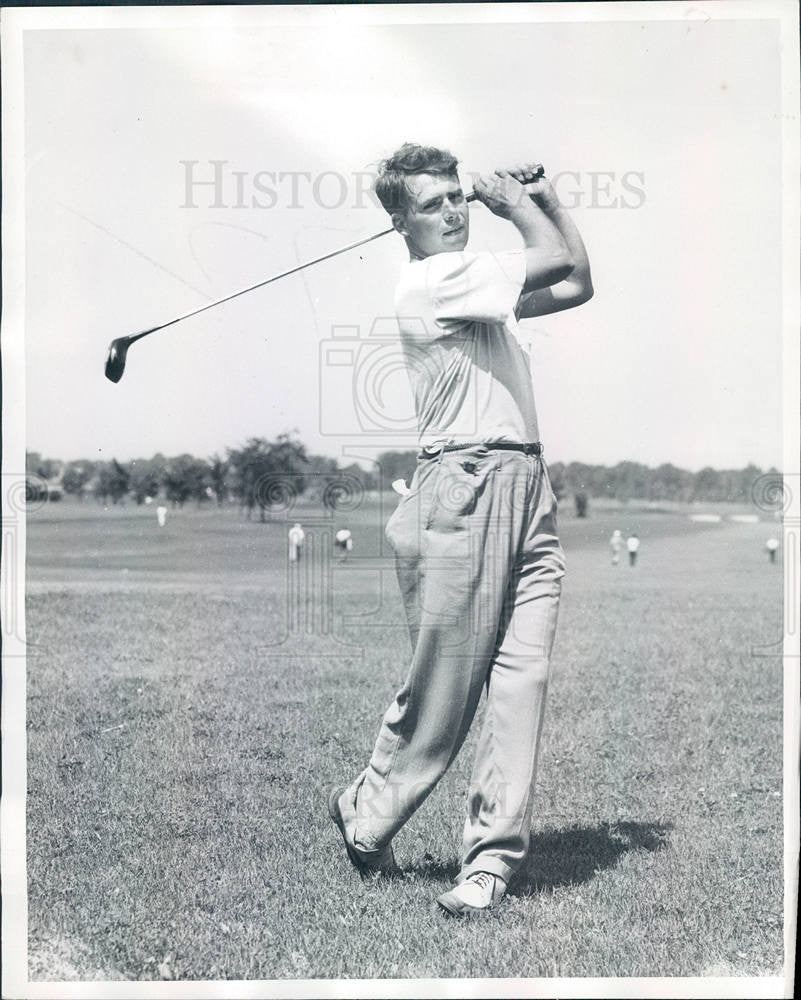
(470, 377)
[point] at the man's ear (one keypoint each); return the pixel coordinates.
(399, 223)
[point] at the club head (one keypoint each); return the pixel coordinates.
(115, 361)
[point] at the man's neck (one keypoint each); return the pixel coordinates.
(414, 252)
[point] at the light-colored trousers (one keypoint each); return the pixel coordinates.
(480, 566)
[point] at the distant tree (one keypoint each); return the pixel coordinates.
(47, 468)
(268, 473)
(289, 454)
(746, 481)
(631, 480)
(185, 478)
(35, 488)
(667, 482)
(364, 476)
(146, 477)
(558, 480)
(76, 475)
(394, 465)
(728, 484)
(113, 481)
(322, 471)
(218, 472)
(579, 476)
(707, 484)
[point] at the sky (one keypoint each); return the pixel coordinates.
(663, 138)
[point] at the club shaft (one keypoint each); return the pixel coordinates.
(260, 284)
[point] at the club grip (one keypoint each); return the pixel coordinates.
(540, 173)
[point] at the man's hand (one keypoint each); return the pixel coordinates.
(502, 193)
(557, 268)
(502, 196)
(577, 286)
(538, 187)
(547, 258)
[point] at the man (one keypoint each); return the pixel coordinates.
(343, 540)
(633, 546)
(296, 538)
(478, 557)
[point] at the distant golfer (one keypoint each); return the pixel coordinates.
(772, 545)
(343, 542)
(616, 545)
(296, 539)
(161, 515)
(477, 554)
(633, 546)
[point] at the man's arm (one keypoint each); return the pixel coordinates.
(577, 287)
(548, 257)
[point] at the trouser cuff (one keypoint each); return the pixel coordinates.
(358, 829)
(486, 863)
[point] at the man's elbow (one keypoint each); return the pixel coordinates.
(546, 270)
(562, 268)
(585, 293)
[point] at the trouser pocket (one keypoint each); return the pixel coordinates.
(462, 482)
(405, 527)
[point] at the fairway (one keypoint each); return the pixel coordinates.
(191, 699)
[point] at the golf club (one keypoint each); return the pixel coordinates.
(118, 349)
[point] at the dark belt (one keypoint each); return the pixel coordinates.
(534, 448)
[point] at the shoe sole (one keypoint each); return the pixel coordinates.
(363, 868)
(336, 815)
(456, 908)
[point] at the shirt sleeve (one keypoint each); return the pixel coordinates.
(474, 287)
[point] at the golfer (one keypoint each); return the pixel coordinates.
(616, 544)
(478, 558)
(343, 541)
(633, 547)
(296, 538)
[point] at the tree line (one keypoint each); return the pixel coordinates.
(259, 475)
(262, 473)
(625, 481)
(633, 481)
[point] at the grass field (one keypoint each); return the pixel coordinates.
(191, 700)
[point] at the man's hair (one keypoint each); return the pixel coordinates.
(410, 159)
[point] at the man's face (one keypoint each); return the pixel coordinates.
(437, 219)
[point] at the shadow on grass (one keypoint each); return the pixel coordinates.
(434, 869)
(563, 857)
(575, 855)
